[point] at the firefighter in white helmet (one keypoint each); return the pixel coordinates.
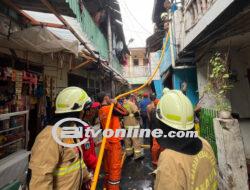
(54, 166)
(188, 162)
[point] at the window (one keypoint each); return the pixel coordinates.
(136, 62)
(145, 61)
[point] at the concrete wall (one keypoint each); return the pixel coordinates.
(240, 94)
(245, 132)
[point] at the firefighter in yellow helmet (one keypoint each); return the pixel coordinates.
(188, 162)
(54, 166)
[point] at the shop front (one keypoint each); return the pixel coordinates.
(31, 75)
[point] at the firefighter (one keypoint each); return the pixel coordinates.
(54, 166)
(112, 159)
(133, 145)
(155, 147)
(188, 162)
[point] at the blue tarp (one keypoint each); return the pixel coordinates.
(189, 76)
(158, 88)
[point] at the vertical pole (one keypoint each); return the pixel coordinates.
(109, 37)
(110, 49)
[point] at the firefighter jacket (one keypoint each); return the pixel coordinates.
(54, 167)
(130, 120)
(180, 171)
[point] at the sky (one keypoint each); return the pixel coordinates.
(137, 20)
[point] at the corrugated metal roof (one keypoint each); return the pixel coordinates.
(36, 5)
(62, 33)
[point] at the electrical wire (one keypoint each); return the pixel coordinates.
(135, 19)
(131, 21)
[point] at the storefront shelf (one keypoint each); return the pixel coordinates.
(10, 143)
(8, 115)
(11, 129)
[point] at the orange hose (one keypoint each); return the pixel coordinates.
(101, 153)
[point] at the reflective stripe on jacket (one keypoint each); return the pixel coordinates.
(62, 171)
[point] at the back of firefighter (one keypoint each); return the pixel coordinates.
(112, 160)
(54, 166)
(188, 162)
(133, 145)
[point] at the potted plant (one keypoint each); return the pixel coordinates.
(219, 84)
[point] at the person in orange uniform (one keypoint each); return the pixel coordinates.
(112, 159)
(155, 147)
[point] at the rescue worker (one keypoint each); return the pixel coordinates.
(133, 145)
(143, 109)
(187, 163)
(89, 155)
(152, 106)
(112, 159)
(155, 147)
(54, 166)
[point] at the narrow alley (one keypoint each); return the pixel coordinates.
(124, 95)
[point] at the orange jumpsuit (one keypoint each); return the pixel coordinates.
(113, 151)
(155, 147)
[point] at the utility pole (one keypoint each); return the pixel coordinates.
(109, 33)
(110, 48)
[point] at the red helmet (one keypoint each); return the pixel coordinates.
(145, 95)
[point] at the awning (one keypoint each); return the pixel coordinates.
(38, 39)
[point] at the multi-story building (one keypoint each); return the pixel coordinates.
(139, 68)
(199, 29)
(94, 25)
(47, 46)
(173, 74)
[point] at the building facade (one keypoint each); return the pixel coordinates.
(46, 46)
(200, 29)
(139, 69)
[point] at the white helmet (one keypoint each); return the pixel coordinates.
(175, 110)
(72, 99)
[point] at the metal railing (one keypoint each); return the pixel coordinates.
(207, 127)
(136, 71)
(194, 10)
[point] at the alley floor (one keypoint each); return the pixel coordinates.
(135, 174)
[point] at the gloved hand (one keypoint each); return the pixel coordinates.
(87, 184)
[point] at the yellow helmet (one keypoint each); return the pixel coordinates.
(175, 110)
(72, 99)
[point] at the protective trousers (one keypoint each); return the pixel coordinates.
(112, 161)
(133, 145)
